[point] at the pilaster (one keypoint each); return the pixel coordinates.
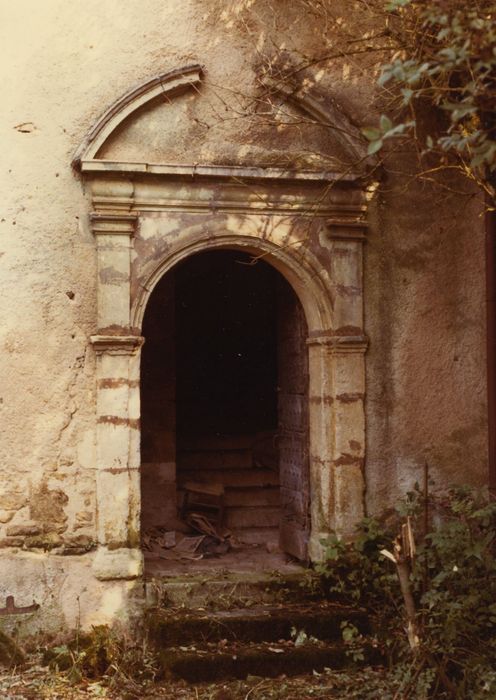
(118, 431)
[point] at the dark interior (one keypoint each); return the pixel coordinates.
(209, 363)
(224, 380)
(226, 345)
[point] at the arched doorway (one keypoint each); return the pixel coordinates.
(224, 399)
(147, 218)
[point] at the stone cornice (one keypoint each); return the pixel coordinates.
(219, 172)
(304, 194)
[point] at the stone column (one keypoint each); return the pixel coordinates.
(337, 395)
(118, 411)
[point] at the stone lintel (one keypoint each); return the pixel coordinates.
(117, 344)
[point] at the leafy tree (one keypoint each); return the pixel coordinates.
(444, 63)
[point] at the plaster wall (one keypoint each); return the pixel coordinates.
(425, 316)
(63, 63)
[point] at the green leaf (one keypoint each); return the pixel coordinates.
(407, 95)
(394, 5)
(385, 123)
(375, 146)
(371, 133)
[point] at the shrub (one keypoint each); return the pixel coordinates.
(451, 578)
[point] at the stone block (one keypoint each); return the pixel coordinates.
(113, 401)
(13, 500)
(6, 515)
(23, 530)
(113, 444)
(118, 506)
(349, 487)
(114, 564)
(47, 505)
(11, 542)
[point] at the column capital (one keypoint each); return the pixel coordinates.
(114, 224)
(341, 343)
(347, 229)
(116, 344)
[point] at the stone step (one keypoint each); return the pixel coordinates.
(264, 640)
(245, 517)
(260, 623)
(215, 459)
(252, 496)
(230, 590)
(231, 477)
(215, 442)
(204, 664)
(258, 535)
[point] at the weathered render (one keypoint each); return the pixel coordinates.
(123, 154)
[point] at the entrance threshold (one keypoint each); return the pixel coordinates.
(241, 559)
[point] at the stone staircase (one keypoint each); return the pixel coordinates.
(251, 491)
(228, 627)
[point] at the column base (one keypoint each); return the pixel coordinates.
(124, 563)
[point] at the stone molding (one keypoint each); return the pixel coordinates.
(323, 109)
(103, 223)
(348, 229)
(213, 172)
(117, 344)
(165, 86)
(344, 202)
(341, 343)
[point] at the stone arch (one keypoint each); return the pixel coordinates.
(163, 446)
(304, 274)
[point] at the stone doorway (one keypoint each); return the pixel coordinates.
(224, 396)
(148, 217)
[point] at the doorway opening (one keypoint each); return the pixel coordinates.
(224, 404)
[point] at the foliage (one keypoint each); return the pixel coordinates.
(453, 581)
(103, 654)
(446, 61)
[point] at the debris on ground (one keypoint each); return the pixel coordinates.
(35, 682)
(160, 543)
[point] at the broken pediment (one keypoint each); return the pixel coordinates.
(179, 118)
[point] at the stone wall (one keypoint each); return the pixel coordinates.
(63, 64)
